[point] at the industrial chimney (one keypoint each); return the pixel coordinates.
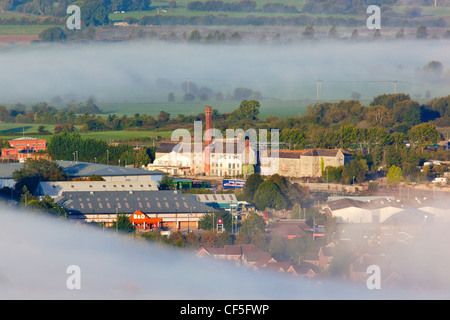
(208, 126)
(208, 138)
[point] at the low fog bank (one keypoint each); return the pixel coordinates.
(36, 252)
(148, 71)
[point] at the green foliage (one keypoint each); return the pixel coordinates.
(248, 110)
(269, 195)
(209, 221)
(251, 186)
(34, 171)
(394, 175)
(166, 183)
(63, 146)
(252, 225)
(123, 224)
(52, 34)
(93, 12)
(356, 171)
(424, 134)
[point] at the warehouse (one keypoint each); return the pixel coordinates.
(176, 210)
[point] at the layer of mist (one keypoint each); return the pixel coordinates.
(135, 71)
(37, 250)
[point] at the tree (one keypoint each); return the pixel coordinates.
(93, 12)
(269, 195)
(163, 117)
(332, 33)
(166, 183)
(209, 220)
(123, 224)
(424, 134)
(34, 171)
(52, 34)
(394, 175)
(308, 33)
(251, 186)
(421, 32)
(357, 169)
(248, 110)
(400, 34)
(252, 225)
(194, 36)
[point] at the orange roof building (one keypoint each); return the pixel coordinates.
(23, 148)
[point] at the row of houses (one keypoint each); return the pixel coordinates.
(254, 258)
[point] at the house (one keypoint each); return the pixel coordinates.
(177, 211)
(23, 148)
(304, 270)
(360, 263)
(325, 255)
(289, 228)
(248, 255)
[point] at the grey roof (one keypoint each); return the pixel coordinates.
(86, 169)
(128, 202)
(82, 169)
(409, 216)
(6, 169)
(225, 198)
(56, 188)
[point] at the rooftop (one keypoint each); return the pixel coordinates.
(128, 202)
(82, 169)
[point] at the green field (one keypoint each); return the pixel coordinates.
(278, 108)
(25, 30)
(126, 135)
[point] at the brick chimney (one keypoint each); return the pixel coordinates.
(208, 138)
(208, 126)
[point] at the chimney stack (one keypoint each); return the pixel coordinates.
(208, 138)
(208, 126)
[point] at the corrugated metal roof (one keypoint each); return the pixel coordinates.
(82, 169)
(106, 202)
(56, 188)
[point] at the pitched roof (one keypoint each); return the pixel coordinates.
(408, 216)
(291, 154)
(289, 228)
(128, 202)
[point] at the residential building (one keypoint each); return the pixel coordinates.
(289, 228)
